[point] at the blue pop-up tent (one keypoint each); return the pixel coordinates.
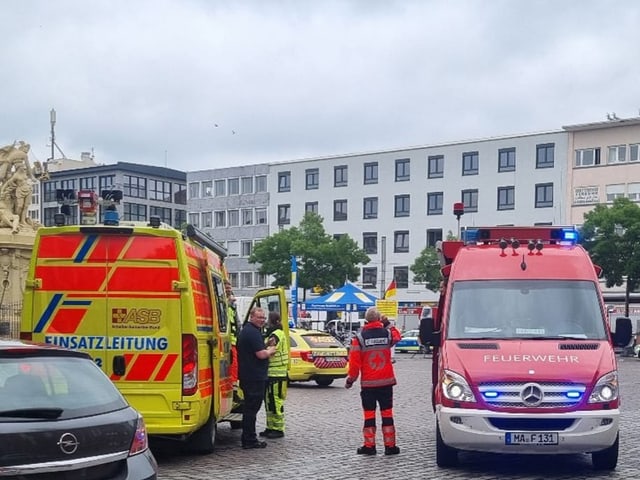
(348, 298)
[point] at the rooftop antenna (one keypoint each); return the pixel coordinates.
(54, 145)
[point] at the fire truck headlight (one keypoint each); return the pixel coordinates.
(456, 388)
(606, 388)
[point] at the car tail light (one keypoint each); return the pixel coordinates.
(307, 356)
(189, 365)
(28, 336)
(140, 441)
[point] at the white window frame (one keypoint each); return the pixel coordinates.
(261, 216)
(207, 219)
(233, 218)
(247, 216)
(220, 218)
(633, 192)
(220, 188)
(614, 191)
(617, 154)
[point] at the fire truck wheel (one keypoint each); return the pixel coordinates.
(204, 440)
(606, 459)
(446, 456)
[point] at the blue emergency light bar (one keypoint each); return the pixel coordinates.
(549, 234)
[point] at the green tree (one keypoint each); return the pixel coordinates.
(426, 267)
(322, 260)
(611, 235)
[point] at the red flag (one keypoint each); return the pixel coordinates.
(391, 291)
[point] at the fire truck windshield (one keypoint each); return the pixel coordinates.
(525, 309)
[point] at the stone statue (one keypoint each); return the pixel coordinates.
(16, 186)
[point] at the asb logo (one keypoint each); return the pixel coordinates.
(135, 316)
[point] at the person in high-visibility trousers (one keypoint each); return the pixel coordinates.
(370, 359)
(277, 384)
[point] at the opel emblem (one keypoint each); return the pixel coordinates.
(531, 394)
(68, 443)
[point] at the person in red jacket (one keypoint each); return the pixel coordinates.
(370, 359)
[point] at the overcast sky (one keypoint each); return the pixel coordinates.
(198, 84)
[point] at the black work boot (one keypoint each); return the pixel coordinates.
(364, 450)
(391, 450)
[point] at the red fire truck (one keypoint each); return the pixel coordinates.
(524, 359)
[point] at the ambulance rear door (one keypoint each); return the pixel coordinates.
(144, 323)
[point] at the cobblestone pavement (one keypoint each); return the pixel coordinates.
(324, 430)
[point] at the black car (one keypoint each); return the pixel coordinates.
(62, 418)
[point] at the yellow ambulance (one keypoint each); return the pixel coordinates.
(147, 302)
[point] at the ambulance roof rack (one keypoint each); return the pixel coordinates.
(206, 241)
(544, 233)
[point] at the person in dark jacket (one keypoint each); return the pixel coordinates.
(253, 366)
(370, 359)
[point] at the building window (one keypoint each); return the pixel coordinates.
(634, 151)
(246, 185)
(88, 183)
(194, 190)
(247, 216)
(107, 182)
(207, 219)
(180, 218)
(233, 247)
(401, 241)
(180, 194)
(49, 192)
(470, 163)
(135, 187)
(134, 212)
(261, 216)
(233, 278)
(49, 216)
(160, 191)
(617, 154)
(370, 173)
(221, 218)
(506, 198)
(370, 243)
(544, 195)
(284, 181)
(233, 216)
(587, 157)
(311, 207)
(402, 206)
(370, 207)
(340, 176)
(284, 214)
(261, 183)
(433, 235)
(234, 186)
(614, 191)
(246, 279)
(220, 188)
(401, 276)
(245, 248)
(544, 155)
(470, 200)
(435, 167)
(207, 188)
(339, 210)
(403, 172)
(312, 178)
(369, 277)
(633, 192)
(194, 219)
(507, 160)
(260, 279)
(435, 201)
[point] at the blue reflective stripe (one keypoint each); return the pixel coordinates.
(48, 313)
(91, 239)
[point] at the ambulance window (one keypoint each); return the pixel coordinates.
(221, 305)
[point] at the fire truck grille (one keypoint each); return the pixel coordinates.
(579, 346)
(532, 424)
(532, 395)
